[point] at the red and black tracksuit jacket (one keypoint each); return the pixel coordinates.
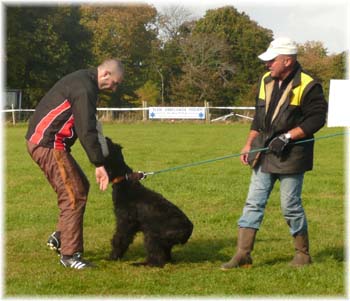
(66, 112)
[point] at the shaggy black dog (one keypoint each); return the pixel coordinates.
(138, 208)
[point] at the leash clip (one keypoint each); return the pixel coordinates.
(145, 174)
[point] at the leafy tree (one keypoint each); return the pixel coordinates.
(169, 57)
(313, 57)
(42, 45)
(312, 48)
(171, 25)
(207, 70)
(170, 22)
(124, 32)
(149, 92)
(246, 39)
(339, 65)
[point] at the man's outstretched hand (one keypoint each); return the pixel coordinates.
(102, 178)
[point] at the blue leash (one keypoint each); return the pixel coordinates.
(234, 155)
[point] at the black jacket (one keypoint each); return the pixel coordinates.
(68, 111)
(301, 105)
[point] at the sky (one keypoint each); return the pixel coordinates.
(307, 20)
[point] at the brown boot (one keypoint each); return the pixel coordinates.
(302, 256)
(245, 244)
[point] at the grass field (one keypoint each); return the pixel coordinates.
(212, 195)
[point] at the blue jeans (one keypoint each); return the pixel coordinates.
(260, 188)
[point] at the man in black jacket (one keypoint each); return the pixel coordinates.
(67, 112)
(290, 106)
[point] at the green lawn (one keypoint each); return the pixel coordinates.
(212, 195)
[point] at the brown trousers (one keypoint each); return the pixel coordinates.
(72, 188)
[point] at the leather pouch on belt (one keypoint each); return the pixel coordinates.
(253, 158)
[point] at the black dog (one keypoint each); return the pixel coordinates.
(138, 208)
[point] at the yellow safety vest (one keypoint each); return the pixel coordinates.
(295, 95)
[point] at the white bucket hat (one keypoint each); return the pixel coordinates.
(277, 47)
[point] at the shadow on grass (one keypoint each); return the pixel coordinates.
(335, 253)
(192, 252)
(275, 260)
(136, 251)
(208, 250)
(213, 250)
(204, 251)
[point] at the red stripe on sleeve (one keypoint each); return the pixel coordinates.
(47, 120)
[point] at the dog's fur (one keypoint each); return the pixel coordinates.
(138, 208)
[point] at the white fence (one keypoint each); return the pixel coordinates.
(212, 114)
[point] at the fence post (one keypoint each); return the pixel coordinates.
(207, 113)
(144, 111)
(13, 115)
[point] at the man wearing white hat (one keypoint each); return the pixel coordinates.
(290, 106)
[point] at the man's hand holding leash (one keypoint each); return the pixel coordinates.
(278, 144)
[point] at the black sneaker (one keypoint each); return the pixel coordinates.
(54, 242)
(75, 262)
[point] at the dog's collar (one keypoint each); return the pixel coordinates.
(119, 179)
(140, 175)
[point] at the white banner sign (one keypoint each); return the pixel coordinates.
(339, 103)
(176, 113)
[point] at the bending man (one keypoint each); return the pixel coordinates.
(66, 112)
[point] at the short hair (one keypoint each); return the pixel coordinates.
(292, 56)
(112, 65)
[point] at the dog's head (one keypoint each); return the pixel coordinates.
(114, 163)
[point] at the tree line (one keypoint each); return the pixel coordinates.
(170, 58)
